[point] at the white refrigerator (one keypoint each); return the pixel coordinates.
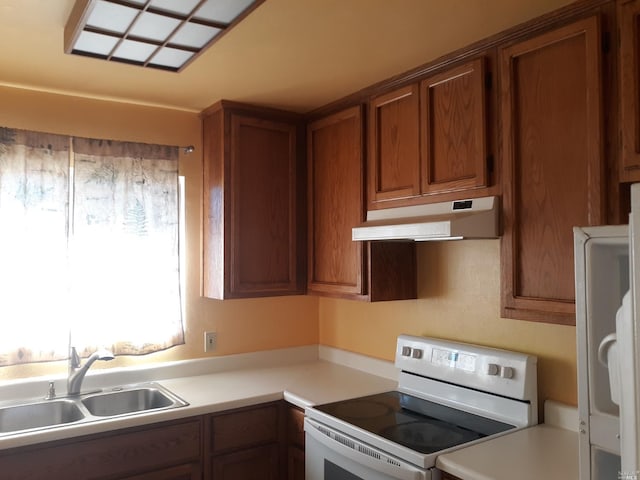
(607, 267)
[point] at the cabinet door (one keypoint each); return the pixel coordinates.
(629, 24)
(454, 129)
(260, 463)
(295, 467)
(263, 245)
(448, 476)
(552, 149)
(189, 471)
(245, 428)
(335, 170)
(394, 147)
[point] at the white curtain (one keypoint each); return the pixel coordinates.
(89, 236)
(34, 194)
(125, 263)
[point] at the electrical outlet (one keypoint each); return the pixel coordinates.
(210, 339)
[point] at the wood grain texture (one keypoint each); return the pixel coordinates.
(106, 456)
(295, 443)
(629, 27)
(454, 129)
(254, 211)
(213, 205)
(263, 220)
(245, 428)
(335, 202)
(392, 271)
(259, 463)
(552, 149)
(189, 471)
(393, 159)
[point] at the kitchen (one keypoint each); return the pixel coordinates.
(458, 282)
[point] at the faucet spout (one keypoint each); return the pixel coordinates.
(77, 372)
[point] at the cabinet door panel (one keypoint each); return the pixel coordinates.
(263, 237)
(629, 23)
(394, 148)
(335, 203)
(244, 428)
(259, 463)
(454, 129)
(182, 472)
(552, 149)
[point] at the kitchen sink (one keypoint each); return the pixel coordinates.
(37, 414)
(121, 402)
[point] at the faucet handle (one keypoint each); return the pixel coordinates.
(51, 392)
(74, 359)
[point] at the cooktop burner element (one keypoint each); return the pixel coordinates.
(362, 409)
(418, 424)
(428, 436)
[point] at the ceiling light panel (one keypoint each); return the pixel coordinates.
(181, 7)
(111, 17)
(165, 34)
(222, 10)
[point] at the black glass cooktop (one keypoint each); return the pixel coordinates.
(418, 424)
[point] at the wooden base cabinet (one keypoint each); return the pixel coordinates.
(295, 443)
(167, 451)
(552, 148)
(448, 476)
(254, 203)
(338, 266)
(247, 444)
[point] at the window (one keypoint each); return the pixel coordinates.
(89, 246)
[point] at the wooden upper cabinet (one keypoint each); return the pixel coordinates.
(394, 146)
(430, 138)
(253, 205)
(335, 200)
(338, 266)
(629, 25)
(552, 147)
(454, 129)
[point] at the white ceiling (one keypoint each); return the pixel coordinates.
(292, 54)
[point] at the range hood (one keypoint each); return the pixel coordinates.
(473, 218)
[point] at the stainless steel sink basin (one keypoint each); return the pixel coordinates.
(39, 415)
(35, 414)
(121, 402)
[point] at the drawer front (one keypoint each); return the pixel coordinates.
(108, 457)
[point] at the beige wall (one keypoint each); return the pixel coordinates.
(459, 299)
(242, 325)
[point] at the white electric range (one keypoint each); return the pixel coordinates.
(450, 395)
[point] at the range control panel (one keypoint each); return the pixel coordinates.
(497, 371)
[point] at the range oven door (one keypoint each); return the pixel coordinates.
(331, 455)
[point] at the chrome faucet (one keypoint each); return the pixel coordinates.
(77, 373)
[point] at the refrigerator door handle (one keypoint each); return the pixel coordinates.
(603, 349)
(608, 357)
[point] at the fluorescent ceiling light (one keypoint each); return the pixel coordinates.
(164, 34)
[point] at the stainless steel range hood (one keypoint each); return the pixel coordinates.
(473, 218)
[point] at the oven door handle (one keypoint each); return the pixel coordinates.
(362, 453)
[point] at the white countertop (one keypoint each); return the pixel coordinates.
(307, 376)
(545, 451)
(308, 381)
